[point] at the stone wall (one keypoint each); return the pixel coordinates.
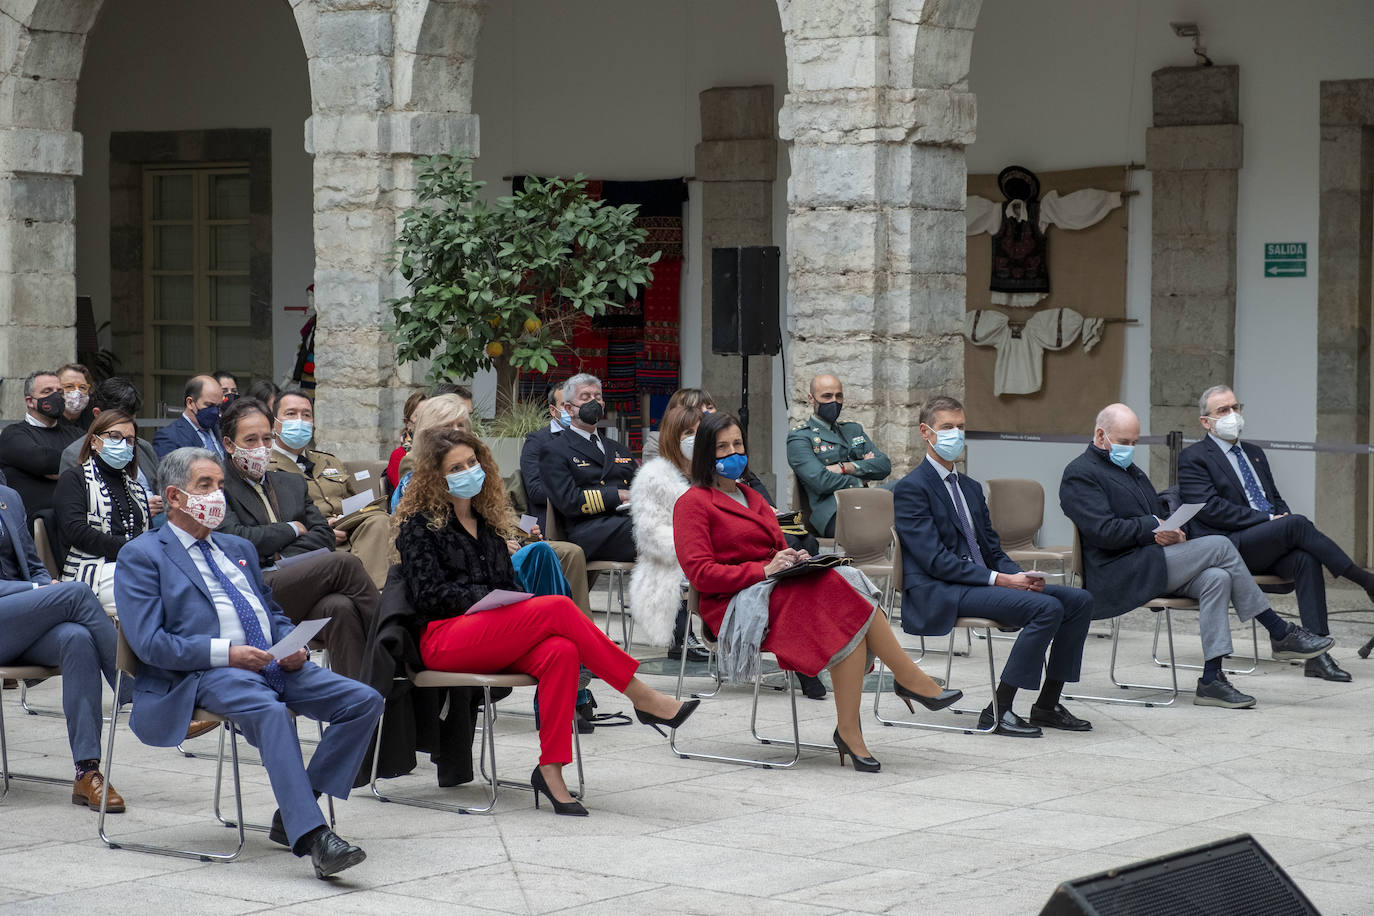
(1193, 153)
(877, 114)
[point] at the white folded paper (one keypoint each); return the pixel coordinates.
(1180, 517)
(298, 638)
(498, 598)
(527, 523)
(352, 504)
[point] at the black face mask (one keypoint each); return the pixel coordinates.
(829, 411)
(591, 413)
(51, 406)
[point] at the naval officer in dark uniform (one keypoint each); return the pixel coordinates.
(587, 476)
(827, 455)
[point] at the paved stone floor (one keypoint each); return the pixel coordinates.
(954, 824)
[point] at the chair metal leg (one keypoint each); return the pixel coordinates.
(795, 744)
(949, 671)
(1172, 687)
(1254, 658)
(754, 728)
(713, 666)
(202, 855)
(6, 776)
(219, 770)
(35, 711)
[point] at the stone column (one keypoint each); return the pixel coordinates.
(37, 255)
(1345, 249)
(1193, 152)
(877, 114)
(736, 163)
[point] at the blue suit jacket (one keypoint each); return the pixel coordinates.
(166, 614)
(180, 434)
(1116, 512)
(936, 568)
(25, 554)
(531, 454)
(1205, 475)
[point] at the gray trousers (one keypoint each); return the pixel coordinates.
(1210, 570)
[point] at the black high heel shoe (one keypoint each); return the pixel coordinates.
(683, 714)
(861, 764)
(540, 785)
(939, 701)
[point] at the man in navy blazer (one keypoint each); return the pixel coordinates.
(953, 566)
(1242, 502)
(199, 617)
(57, 624)
(198, 425)
(1128, 560)
(532, 453)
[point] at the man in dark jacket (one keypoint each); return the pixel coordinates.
(536, 444)
(31, 449)
(1242, 502)
(1129, 559)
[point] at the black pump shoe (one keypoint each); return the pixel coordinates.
(939, 701)
(861, 764)
(541, 787)
(683, 714)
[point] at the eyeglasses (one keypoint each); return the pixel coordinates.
(77, 386)
(116, 438)
(1223, 411)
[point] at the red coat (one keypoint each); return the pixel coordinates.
(723, 548)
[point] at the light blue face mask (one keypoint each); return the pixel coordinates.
(466, 484)
(296, 433)
(732, 466)
(1121, 455)
(564, 420)
(949, 443)
(117, 454)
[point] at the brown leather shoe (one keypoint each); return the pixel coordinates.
(199, 727)
(86, 791)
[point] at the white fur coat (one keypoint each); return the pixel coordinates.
(656, 586)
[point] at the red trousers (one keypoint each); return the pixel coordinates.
(546, 637)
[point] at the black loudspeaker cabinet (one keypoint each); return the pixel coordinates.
(744, 301)
(1233, 877)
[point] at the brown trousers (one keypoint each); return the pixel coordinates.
(333, 585)
(574, 563)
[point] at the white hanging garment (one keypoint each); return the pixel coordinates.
(1020, 348)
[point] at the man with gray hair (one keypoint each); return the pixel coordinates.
(587, 476)
(1241, 502)
(200, 618)
(1128, 559)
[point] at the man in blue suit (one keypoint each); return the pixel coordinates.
(200, 618)
(1241, 501)
(1129, 559)
(57, 624)
(198, 425)
(953, 566)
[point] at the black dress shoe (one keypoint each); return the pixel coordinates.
(278, 832)
(1060, 718)
(1300, 643)
(813, 688)
(695, 652)
(861, 764)
(939, 701)
(1010, 724)
(1325, 667)
(331, 854)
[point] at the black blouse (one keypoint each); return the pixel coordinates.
(448, 571)
(69, 505)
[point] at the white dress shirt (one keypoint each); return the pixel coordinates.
(601, 446)
(1235, 465)
(230, 627)
(944, 473)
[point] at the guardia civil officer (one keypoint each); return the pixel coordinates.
(827, 455)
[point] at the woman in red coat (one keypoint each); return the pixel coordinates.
(728, 539)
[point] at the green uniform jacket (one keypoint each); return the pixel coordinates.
(329, 483)
(815, 444)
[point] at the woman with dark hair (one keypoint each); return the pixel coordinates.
(264, 390)
(393, 464)
(100, 505)
(77, 385)
(728, 540)
(453, 524)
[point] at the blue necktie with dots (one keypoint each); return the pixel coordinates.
(252, 629)
(1253, 491)
(975, 554)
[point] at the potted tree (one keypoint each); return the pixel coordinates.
(500, 285)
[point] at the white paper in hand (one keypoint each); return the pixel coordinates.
(1181, 517)
(527, 523)
(498, 598)
(352, 504)
(298, 638)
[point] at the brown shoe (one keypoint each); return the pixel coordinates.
(86, 791)
(199, 727)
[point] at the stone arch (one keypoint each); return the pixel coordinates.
(876, 116)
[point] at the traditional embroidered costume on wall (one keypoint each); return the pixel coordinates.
(1021, 347)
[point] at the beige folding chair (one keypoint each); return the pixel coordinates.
(863, 532)
(376, 475)
(1165, 605)
(1273, 585)
(128, 664)
(967, 624)
(21, 673)
(1017, 507)
(43, 544)
(617, 570)
(488, 748)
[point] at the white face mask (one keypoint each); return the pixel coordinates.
(206, 508)
(1229, 427)
(689, 442)
(252, 461)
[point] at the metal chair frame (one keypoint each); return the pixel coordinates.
(488, 746)
(617, 570)
(22, 673)
(967, 624)
(1274, 585)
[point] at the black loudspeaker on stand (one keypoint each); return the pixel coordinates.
(744, 308)
(1233, 877)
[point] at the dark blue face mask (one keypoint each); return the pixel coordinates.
(732, 466)
(206, 417)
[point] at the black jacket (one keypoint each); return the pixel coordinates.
(69, 508)
(531, 454)
(1116, 512)
(28, 455)
(448, 571)
(583, 486)
(247, 516)
(1205, 475)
